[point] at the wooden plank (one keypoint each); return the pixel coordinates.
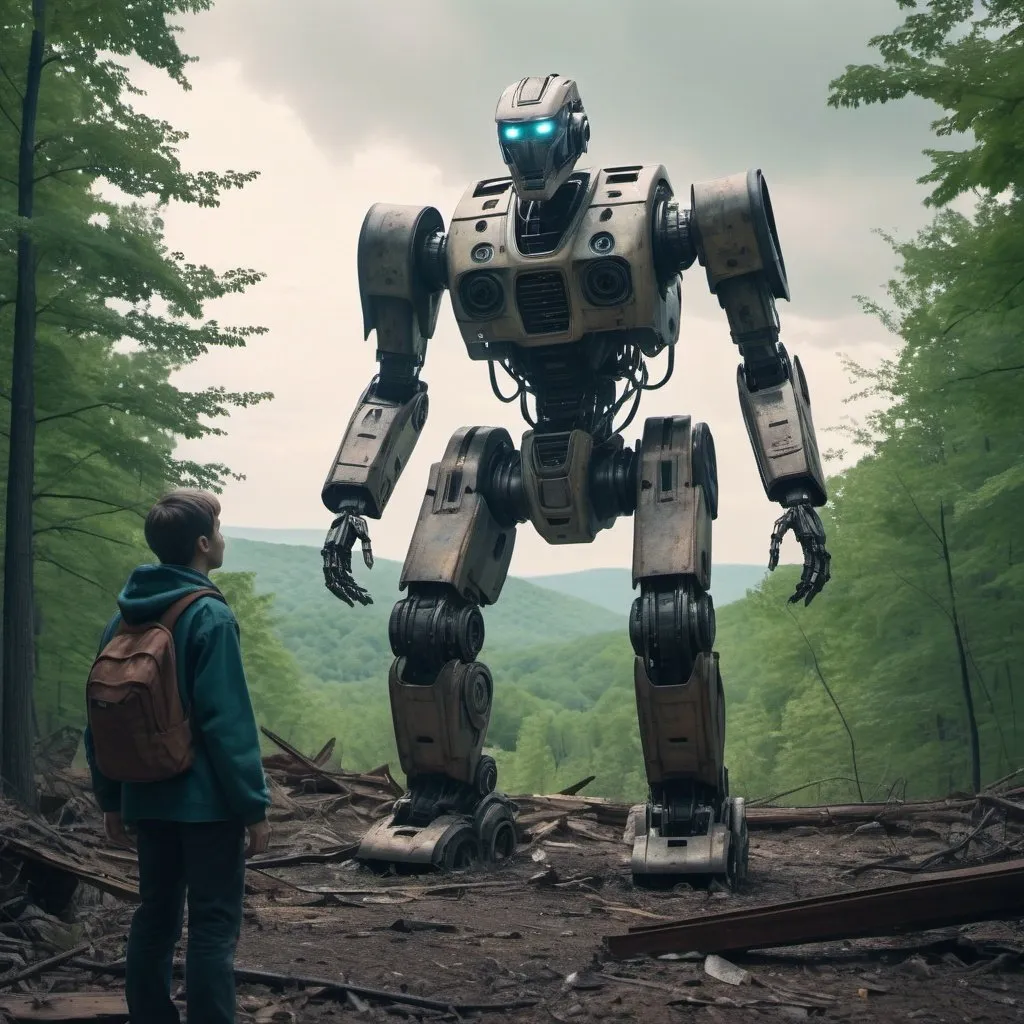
(106, 1007)
(993, 892)
(116, 885)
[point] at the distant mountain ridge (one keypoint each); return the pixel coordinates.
(608, 588)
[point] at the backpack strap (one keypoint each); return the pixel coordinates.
(172, 614)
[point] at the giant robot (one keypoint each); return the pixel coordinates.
(566, 283)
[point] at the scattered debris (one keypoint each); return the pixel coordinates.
(721, 970)
(328, 988)
(530, 931)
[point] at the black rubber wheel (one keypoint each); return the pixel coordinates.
(486, 778)
(503, 842)
(462, 851)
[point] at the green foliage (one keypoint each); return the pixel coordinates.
(117, 313)
(968, 57)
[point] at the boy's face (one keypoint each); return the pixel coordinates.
(216, 555)
(212, 548)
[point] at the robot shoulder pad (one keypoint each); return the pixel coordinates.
(735, 230)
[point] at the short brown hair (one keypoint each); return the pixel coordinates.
(177, 521)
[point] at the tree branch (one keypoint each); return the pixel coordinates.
(931, 597)
(931, 529)
(82, 518)
(64, 528)
(842, 717)
(980, 374)
(14, 124)
(65, 473)
(77, 575)
(84, 497)
(984, 309)
(70, 170)
(75, 412)
(11, 82)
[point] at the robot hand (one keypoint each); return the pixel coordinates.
(803, 520)
(337, 556)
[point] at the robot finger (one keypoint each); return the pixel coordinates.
(338, 589)
(815, 575)
(356, 592)
(367, 553)
(782, 526)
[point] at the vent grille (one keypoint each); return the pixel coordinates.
(543, 302)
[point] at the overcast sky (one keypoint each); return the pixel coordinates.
(340, 105)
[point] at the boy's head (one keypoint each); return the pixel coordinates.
(183, 528)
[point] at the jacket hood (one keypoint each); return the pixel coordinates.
(152, 589)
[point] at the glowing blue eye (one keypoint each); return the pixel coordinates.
(544, 127)
(511, 131)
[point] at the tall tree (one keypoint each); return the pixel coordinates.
(94, 276)
(19, 596)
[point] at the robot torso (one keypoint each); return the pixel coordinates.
(525, 274)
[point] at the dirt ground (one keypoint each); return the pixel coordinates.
(511, 940)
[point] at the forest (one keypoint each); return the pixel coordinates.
(901, 677)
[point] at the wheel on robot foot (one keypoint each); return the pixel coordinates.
(460, 849)
(453, 840)
(496, 826)
(721, 854)
(739, 846)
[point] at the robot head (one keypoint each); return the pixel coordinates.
(542, 131)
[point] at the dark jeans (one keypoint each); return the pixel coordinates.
(206, 861)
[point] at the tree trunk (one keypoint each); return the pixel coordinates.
(965, 678)
(19, 596)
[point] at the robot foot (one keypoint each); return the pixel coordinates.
(718, 852)
(442, 825)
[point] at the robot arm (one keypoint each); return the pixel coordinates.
(402, 275)
(732, 232)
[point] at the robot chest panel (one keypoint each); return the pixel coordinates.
(531, 274)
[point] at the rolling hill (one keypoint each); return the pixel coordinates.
(613, 588)
(608, 588)
(336, 643)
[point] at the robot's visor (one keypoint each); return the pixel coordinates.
(533, 150)
(528, 131)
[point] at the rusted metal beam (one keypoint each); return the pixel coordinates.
(988, 893)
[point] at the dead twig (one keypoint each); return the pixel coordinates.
(895, 863)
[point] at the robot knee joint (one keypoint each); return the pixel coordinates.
(670, 623)
(433, 625)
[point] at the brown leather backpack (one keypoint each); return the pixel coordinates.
(140, 730)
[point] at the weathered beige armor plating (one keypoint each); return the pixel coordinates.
(567, 283)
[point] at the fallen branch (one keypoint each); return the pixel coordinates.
(1015, 812)
(329, 988)
(42, 966)
(576, 787)
(331, 856)
(306, 763)
(896, 863)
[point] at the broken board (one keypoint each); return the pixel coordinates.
(94, 1007)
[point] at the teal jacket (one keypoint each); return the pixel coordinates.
(226, 780)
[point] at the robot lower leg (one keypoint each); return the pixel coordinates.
(440, 694)
(691, 826)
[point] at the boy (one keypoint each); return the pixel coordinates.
(190, 828)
